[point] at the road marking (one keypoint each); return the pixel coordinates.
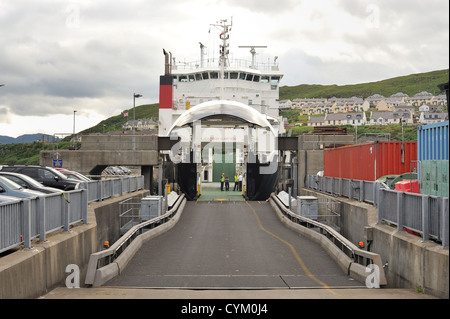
(296, 255)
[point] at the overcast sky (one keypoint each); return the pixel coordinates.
(91, 56)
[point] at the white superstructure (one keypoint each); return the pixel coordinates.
(224, 79)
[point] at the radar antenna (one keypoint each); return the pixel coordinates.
(253, 52)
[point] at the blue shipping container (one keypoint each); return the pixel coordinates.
(432, 142)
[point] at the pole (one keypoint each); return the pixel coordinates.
(134, 121)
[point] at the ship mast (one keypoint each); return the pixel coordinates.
(224, 29)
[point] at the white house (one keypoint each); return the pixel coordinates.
(431, 118)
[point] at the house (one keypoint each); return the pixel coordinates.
(431, 117)
(316, 120)
(285, 104)
(386, 118)
(420, 98)
(140, 124)
(345, 119)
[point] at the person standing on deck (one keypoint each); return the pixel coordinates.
(222, 180)
(236, 182)
(240, 182)
(227, 183)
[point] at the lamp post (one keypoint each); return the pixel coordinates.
(135, 96)
(74, 139)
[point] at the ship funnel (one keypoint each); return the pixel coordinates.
(167, 63)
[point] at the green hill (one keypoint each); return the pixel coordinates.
(114, 123)
(409, 84)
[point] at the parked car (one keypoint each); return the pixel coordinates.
(29, 183)
(9, 188)
(5, 199)
(45, 175)
(75, 175)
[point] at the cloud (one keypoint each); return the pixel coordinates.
(93, 55)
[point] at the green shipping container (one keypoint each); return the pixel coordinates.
(434, 177)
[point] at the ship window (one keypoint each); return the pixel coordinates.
(198, 76)
(214, 75)
(275, 79)
(183, 78)
(205, 76)
(191, 78)
(273, 87)
(249, 77)
(241, 76)
(233, 75)
(175, 79)
(256, 78)
(264, 79)
(225, 75)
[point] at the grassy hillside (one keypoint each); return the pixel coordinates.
(410, 84)
(114, 123)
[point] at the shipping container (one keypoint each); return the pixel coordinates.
(370, 161)
(432, 142)
(434, 177)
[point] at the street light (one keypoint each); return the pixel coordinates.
(135, 96)
(74, 122)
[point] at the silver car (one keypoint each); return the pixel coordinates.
(9, 188)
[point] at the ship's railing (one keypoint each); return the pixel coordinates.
(423, 215)
(23, 220)
(232, 63)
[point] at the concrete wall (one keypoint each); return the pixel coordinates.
(30, 273)
(411, 263)
(309, 163)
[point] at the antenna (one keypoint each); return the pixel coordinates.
(253, 52)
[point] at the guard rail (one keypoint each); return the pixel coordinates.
(117, 256)
(348, 255)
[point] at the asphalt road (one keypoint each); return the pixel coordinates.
(232, 245)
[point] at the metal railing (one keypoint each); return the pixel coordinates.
(419, 214)
(424, 215)
(357, 255)
(23, 220)
(363, 191)
(108, 256)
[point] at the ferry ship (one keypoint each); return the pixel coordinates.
(224, 110)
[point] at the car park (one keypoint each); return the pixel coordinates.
(9, 188)
(45, 175)
(29, 183)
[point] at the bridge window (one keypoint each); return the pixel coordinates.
(234, 75)
(198, 77)
(214, 75)
(264, 79)
(256, 78)
(175, 79)
(205, 75)
(183, 78)
(249, 77)
(275, 79)
(241, 76)
(191, 78)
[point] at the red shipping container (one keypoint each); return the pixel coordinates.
(370, 161)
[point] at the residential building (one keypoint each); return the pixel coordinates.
(431, 117)
(386, 118)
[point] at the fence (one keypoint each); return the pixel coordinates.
(422, 214)
(23, 220)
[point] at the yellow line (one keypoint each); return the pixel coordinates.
(291, 247)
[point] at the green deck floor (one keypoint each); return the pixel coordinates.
(212, 192)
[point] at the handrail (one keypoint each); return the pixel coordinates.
(114, 250)
(356, 254)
